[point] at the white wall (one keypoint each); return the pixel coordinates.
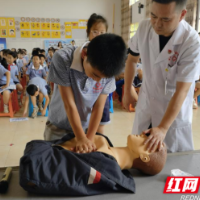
(70, 9)
(136, 17)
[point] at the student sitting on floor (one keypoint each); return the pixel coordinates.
(11, 56)
(37, 86)
(42, 62)
(35, 70)
(5, 81)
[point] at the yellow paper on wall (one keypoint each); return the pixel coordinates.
(11, 22)
(46, 34)
(3, 32)
(35, 25)
(68, 34)
(24, 25)
(3, 22)
(11, 32)
(35, 34)
(55, 26)
(25, 34)
(55, 34)
(82, 24)
(68, 26)
(45, 26)
(75, 25)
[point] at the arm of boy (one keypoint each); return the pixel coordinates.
(45, 106)
(96, 116)
(7, 80)
(26, 106)
(83, 145)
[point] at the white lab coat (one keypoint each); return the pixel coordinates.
(182, 53)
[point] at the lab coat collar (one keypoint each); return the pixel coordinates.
(37, 69)
(77, 62)
(176, 39)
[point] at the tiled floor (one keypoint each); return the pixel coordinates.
(15, 135)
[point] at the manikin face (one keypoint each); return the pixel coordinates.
(136, 146)
(165, 18)
(91, 71)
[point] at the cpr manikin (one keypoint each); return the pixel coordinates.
(52, 168)
(134, 155)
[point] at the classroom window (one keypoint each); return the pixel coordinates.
(133, 29)
(131, 2)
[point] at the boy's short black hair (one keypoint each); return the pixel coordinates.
(20, 51)
(42, 51)
(42, 56)
(51, 49)
(179, 3)
(36, 51)
(36, 55)
(32, 89)
(107, 53)
(12, 53)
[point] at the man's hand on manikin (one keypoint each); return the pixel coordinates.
(155, 139)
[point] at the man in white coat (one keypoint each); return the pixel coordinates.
(170, 52)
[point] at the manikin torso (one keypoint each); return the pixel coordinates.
(123, 155)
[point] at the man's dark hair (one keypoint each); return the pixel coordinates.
(179, 3)
(42, 56)
(107, 53)
(32, 89)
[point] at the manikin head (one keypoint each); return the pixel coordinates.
(148, 163)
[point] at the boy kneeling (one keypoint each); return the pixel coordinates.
(37, 86)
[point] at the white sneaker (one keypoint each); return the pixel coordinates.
(5, 108)
(195, 106)
(40, 106)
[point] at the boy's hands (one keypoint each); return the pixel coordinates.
(84, 145)
(5, 86)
